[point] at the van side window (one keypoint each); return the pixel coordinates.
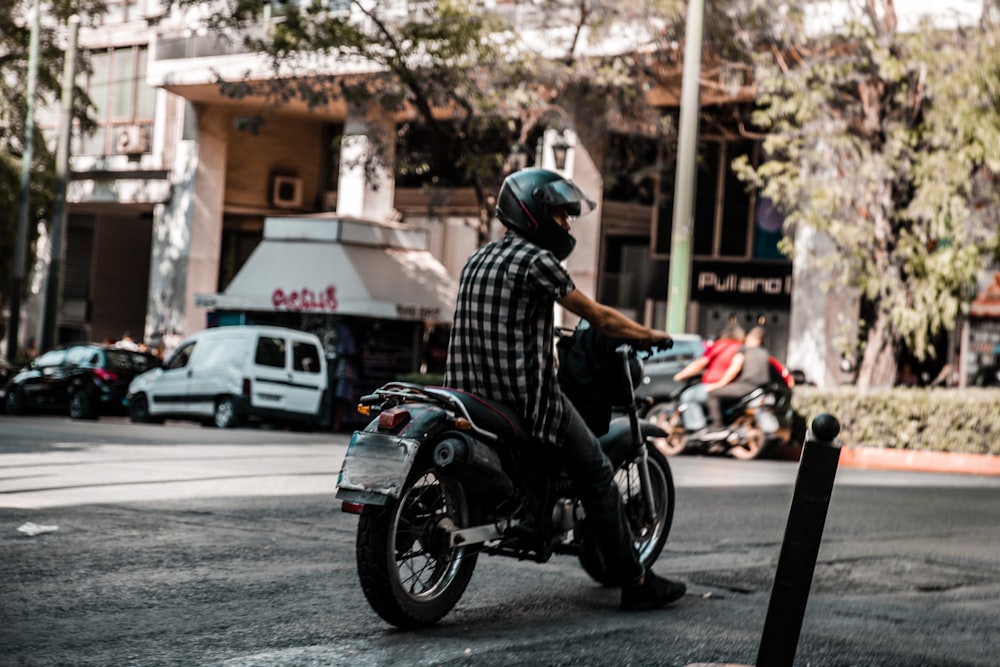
(270, 352)
(305, 357)
(181, 356)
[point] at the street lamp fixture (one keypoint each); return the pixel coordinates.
(560, 149)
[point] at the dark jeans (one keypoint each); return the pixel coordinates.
(593, 478)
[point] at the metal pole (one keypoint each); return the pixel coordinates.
(684, 182)
(53, 288)
(24, 201)
(803, 533)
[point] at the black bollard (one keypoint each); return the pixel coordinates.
(797, 562)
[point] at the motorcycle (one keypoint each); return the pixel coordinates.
(753, 425)
(440, 476)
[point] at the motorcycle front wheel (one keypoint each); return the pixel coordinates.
(409, 573)
(649, 535)
(666, 416)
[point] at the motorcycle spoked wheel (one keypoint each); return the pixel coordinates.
(752, 446)
(409, 574)
(649, 537)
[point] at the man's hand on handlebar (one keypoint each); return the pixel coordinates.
(657, 341)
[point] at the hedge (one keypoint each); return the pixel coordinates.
(950, 420)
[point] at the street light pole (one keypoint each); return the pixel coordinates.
(684, 183)
(21, 242)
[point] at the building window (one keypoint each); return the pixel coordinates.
(627, 273)
(728, 222)
(124, 104)
(241, 234)
(629, 169)
(428, 159)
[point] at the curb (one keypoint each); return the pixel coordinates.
(919, 461)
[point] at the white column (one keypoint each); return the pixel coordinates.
(187, 231)
(369, 141)
(582, 170)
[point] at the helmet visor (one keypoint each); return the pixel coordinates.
(564, 194)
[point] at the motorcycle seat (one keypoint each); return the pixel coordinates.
(491, 415)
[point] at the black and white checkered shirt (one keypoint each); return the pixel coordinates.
(501, 345)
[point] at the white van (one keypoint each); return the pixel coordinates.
(228, 375)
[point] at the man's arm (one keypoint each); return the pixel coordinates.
(692, 369)
(735, 366)
(608, 320)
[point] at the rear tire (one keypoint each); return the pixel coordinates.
(225, 415)
(15, 401)
(409, 575)
(650, 537)
(753, 447)
(80, 406)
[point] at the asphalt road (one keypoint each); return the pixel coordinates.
(188, 546)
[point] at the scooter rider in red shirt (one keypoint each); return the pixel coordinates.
(714, 363)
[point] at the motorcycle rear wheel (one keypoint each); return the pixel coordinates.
(650, 537)
(752, 446)
(409, 574)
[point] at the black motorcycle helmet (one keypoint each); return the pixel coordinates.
(527, 200)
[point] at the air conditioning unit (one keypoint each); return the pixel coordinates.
(286, 192)
(131, 140)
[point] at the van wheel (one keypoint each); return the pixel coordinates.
(225, 414)
(138, 410)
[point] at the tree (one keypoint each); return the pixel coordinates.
(15, 30)
(889, 143)
(482, 82)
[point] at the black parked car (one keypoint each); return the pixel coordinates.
(658, 381)
(83, 380)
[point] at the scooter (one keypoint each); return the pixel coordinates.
(440, 476)
(753, 425)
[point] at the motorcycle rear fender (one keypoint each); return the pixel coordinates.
(377, 463)
(375, 467)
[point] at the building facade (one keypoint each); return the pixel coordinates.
(170, 197)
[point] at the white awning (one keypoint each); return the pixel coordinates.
(288, 273)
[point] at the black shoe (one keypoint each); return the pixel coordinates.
(654, 592)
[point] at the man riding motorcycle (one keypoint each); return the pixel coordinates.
(502, 348)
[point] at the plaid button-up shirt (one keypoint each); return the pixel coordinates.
(501, 345)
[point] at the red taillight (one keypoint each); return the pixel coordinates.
(393, 418)
(246, 387)
(351, 508)
(105, 375)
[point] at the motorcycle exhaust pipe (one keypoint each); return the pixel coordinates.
(477, 465)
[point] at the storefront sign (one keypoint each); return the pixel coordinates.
(305, 299)
(417, 313)
(752, 282)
